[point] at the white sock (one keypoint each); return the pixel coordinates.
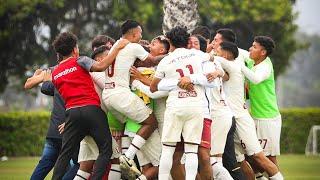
(259, 176)
(277, 176)
(191, 164)
(166, 160)
(142, 177)
(81, 175)
(115, 172)
(219, 172)
(135, 145)
(125, 143)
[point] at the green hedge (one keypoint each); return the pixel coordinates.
(23, 133)
(296, 124)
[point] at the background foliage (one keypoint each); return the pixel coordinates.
(28, 27)
(27, 131)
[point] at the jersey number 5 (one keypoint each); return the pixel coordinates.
(180, 71)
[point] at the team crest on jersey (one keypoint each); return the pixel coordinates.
(185, 94)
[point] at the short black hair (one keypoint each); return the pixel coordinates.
(227, 34)
(204, 31)
(231, 47)
(99, 50)
(266, 42)
(101, 40)
(128, 25)
(64, 43)
(202, 42)
(164, 41)
(178, 36)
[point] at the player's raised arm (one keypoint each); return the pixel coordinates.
(38, 77)
(106, 61)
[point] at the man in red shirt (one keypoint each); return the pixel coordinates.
(84, 115)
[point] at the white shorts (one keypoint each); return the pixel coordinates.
(221, 124)
(151, 150)
(187, 122)
(245, 139)
(159, 110)
(268, 132)
(124, 104)
(89, 150)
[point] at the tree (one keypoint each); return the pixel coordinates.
(28, 28)
(249, 18)
(180, 13)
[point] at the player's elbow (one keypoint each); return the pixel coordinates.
(153, 88)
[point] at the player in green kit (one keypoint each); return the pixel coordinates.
(263, 101)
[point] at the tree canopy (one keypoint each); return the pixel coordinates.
(28, 27)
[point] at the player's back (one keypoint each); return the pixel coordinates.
(179, 63)
(234, 87)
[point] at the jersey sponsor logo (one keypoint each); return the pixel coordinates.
(185, 94)
(65, 72)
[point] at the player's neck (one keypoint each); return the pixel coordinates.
(259, 60)
(66, 58)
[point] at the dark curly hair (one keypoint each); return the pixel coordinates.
(178, 37)
(64, 43)
(266, 42)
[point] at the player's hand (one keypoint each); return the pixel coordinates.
(212, 76)
(37, 72)
(135, 74)
(61, 128)
(122, 43)
(184, 82)
(47, 75)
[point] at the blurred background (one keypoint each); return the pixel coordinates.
(28, 27)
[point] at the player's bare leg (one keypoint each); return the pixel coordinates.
(204, 163)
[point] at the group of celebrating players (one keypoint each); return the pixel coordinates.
(174, 108)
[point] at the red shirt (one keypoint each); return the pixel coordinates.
(75, 85)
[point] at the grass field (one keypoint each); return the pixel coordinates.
(292, 166)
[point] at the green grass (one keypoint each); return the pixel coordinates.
(292, 166)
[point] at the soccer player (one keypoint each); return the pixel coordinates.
(119, 99)
(88, 148)
(246, 138)
(214, 98)
(184, 109)
(53, 141)
(228, 158)
(263, 101)
(204, 31)
(73, 81)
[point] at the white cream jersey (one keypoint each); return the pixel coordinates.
(118, 73)
(243, 55)
(183, 62)
(234, 87)
(99, 78)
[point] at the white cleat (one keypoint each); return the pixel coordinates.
(129, 164)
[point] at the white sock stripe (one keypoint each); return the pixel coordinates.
(115, 170)
(81, 176)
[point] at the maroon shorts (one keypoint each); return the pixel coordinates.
(206, 134)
